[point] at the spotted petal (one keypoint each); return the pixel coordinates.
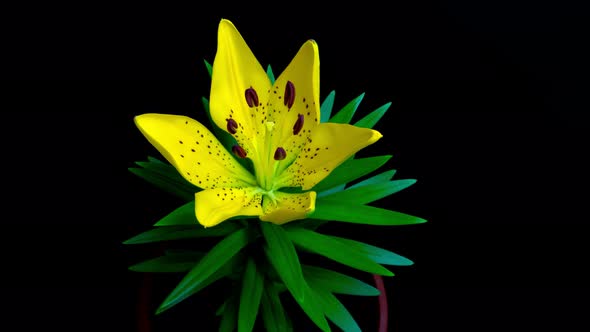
(191, 148)
(329, 146)
(294, 105)
(239, 88)
(213, 206)
(287, 207)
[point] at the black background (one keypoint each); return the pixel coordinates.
(488, 102)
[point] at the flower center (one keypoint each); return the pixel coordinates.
(270, 152)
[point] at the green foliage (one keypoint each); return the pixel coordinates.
(333, 249)
(165, 177)
(221, 253)
(350, 170)
(252, 287)
(347, 112)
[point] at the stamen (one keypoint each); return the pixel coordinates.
(289, 94)
(239, 151)
(280, 154)
(232, 126)
(251, 97)
(298, 124)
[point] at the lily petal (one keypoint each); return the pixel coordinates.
(288, 207)
(193, 150)
(294, 105)
(213, 206)
(329, 146)
(239, 90)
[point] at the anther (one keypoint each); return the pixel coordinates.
(239, 151)
(251, 97)
(298, 124)
(289, 94)
(280, 154)
(232, 126)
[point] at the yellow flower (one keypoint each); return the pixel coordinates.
(275, 125)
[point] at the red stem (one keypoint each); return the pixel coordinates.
(383, 310)
(143, 307)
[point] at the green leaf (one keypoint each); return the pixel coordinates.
(288, 266)
(171, 262)
(209, 68)
(164, 183)
(369, 193)
(252, 286)
(378, 255)
(270, 74)
(361, 214)
(221, 253)
(184, 215)
(372, 118)
(336, 311)
(347, 112)
(351, 170)
(336, 282)
(229, 315)
(181, 232)
(326, 107)
(331, 191)
(273, 312)
(333, 249)
(382, 177)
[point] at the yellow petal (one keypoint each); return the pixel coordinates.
(295, 98)
(213, 206)
(193, 151)
(288, 207)
(330, 145)
(235, 70)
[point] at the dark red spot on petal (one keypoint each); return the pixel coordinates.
(239, 151)
(289, 94)
(251, 97)
(298, 124)
(280, 154)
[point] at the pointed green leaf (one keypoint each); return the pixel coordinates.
(221, 253)
(209, 68)
(336, 311)
(163, 183)
(302, 295)
(333, 249)
(273, 313)
(347, 112)
(351, 170)
(288, 266)
(171, 262)
(382, 177)
(336, 282)
(181, 232)
(184, 215)
(326, 107)
(369, 193)
(229, 315)
(270, 74)
(331, 191)
(372, 118)
(378, 255)
(361, 214)
(252, 285)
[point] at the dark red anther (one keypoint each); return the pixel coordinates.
(280, 154)
(251, 97)
(232, 126)
(298, 124)
(239, 151)
(289, 94)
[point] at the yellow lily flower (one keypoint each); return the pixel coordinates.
(275, 125)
